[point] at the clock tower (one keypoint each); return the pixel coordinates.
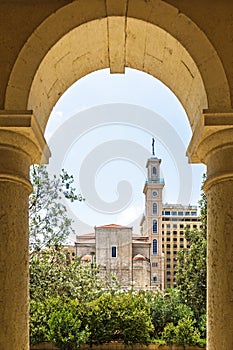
(153, 191)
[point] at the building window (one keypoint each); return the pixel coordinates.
(155, 277)
(180, 213)
(168, 266)
(181, 226)
(155, 209)
(114, 251)
(167, 212)
(154, 170)
(154, 264)
(155, 226)
(155, 246)
(168, 226)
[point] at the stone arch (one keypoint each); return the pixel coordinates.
(149, 36)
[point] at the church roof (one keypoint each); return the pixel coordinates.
(112, 226)
(139, 257)
(86, 258)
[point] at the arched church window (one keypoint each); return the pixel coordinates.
(155, 246)
(155, 208)
(154, 170)
(155, 226)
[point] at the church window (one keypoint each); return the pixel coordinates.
(155, 246)
(155, 226)
(155, 208)
(114, 251)
(154, 170)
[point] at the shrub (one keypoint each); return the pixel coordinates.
(183, 333)
(65, 327)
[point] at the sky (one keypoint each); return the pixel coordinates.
(101, 131)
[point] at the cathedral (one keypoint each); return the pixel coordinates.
(145, 260)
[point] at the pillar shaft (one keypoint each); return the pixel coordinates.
(219, 191)
(212, 144)
(13, 266)
(19, 148)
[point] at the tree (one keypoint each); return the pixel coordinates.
(49, 223)
(53, 273)
(119, 316)
(183, 333)
(72, 304)
(167, 307)
(191, 267)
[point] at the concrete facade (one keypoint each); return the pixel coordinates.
(185, 44)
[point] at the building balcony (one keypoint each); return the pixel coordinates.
(158, 180)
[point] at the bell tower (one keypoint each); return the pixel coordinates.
(153, 191)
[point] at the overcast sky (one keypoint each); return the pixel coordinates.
(101, 130)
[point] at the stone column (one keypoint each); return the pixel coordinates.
(212, 144)
(21, 144)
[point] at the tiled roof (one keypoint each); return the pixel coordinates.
(139, 257)
(86, 258)
(112, 226)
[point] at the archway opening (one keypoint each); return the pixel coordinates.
(101, 130)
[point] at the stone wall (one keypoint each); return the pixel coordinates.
(120, 346)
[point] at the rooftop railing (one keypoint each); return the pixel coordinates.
(158, 180)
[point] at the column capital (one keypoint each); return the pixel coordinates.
(214, 132)
(20, 129)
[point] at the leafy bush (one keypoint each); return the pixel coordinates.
(183, 333)
(123, 317)
(66, 328)
(166, 307)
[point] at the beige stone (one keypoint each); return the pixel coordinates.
(186, 44)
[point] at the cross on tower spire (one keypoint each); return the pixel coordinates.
(153, 146)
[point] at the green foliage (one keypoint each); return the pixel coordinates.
(182, 333)
(167, 307)
(58, 321)
(191, 267)
(53, 273)
(122, 317)
(66, 328)
(49, 223)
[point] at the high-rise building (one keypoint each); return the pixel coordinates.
(176, 219)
